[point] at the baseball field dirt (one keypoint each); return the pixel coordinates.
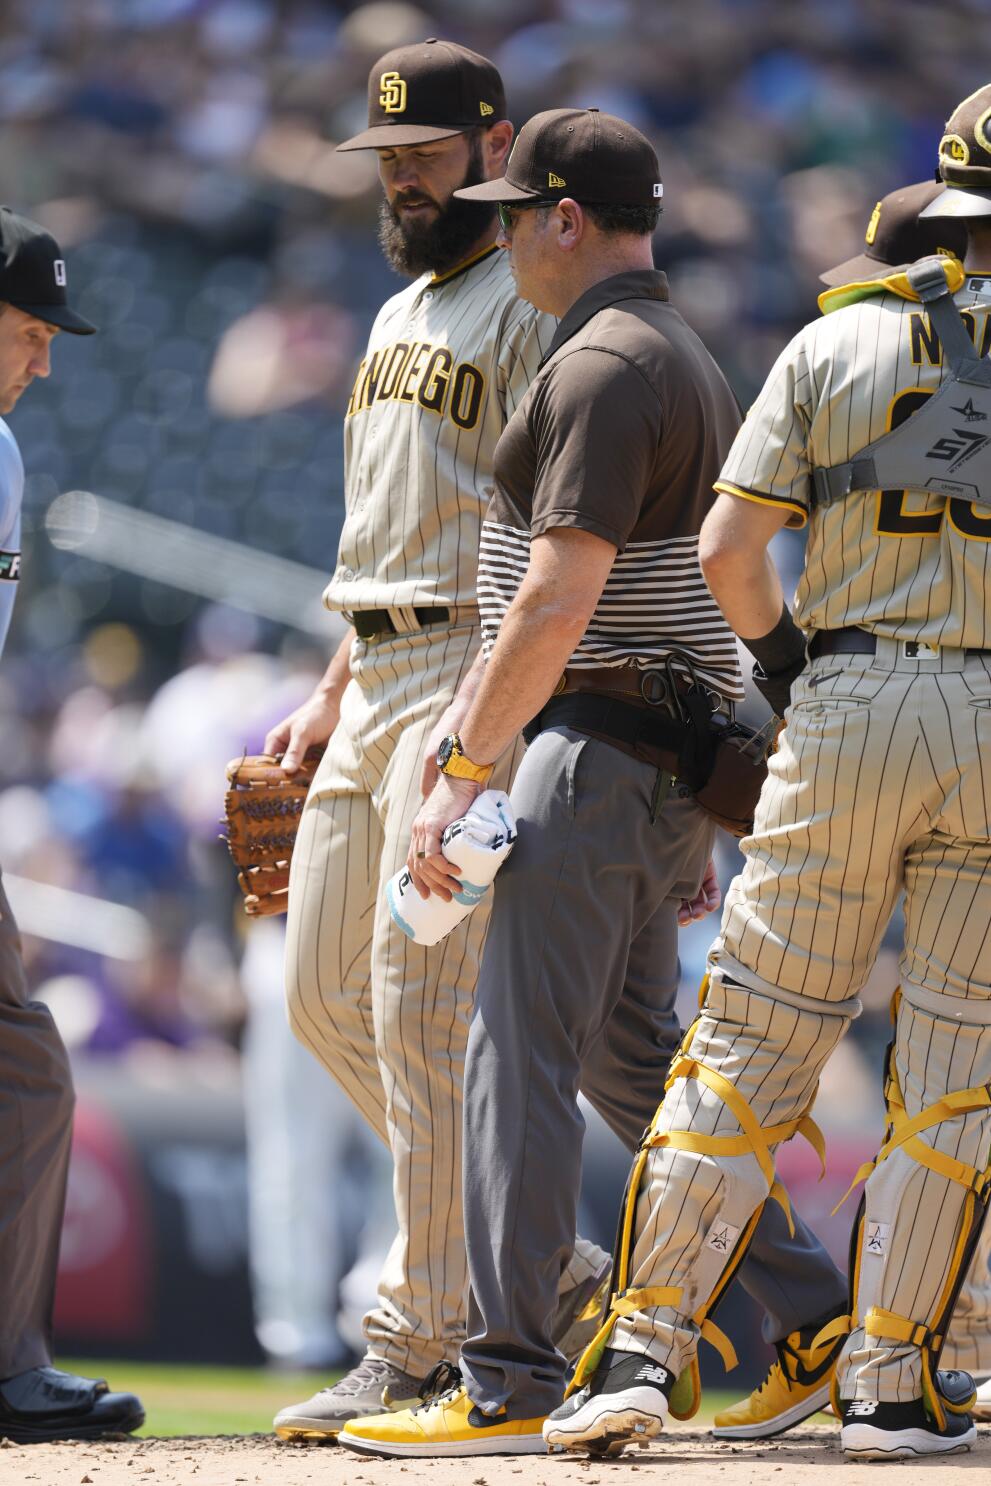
(808, 1457)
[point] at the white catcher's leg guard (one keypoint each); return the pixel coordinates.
(744, 1082)
(924, 1203)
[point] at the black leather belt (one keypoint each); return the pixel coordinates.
(371, 622)
(849, 641)
(617, 721)
(854, 641)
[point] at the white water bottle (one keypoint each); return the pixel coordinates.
(477, 844)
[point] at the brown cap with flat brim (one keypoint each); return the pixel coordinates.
(431, 90)
(579, 153)
(896, 236)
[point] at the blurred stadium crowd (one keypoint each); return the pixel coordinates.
(184, 490)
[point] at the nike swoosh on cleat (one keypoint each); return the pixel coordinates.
(808, 1376)
(478, 1420)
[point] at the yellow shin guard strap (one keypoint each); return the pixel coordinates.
(838, 1326)
(623, 1303)
(886, 1326)
(718, 1339)
(756, 1139)
(627, 1303)
(889, 1327)
(904, 1132)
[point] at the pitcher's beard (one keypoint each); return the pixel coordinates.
(434, 247)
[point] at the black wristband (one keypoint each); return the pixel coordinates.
(781, 649)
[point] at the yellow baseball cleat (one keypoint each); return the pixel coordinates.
(447, 1424)
(796, 1386)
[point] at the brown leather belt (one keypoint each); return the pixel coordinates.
(649, 687)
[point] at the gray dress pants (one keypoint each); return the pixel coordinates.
(36, 1103)
(577, 992)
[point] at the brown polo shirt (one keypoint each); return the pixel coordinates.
(622, 433)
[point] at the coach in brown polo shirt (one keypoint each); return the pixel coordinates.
(601, 639)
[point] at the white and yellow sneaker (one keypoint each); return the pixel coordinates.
(446, 1424)
(796, 1386)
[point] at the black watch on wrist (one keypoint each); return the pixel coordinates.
(451, 760)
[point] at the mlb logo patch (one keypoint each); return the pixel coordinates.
(59, 266)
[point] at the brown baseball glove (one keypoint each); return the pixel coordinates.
(262, 807)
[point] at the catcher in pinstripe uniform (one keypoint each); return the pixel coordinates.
(878, 787)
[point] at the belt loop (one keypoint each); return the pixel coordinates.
(404, 618)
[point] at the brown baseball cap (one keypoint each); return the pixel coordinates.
(965, 160)
(431, 90)
(580, 153)
(895, 236)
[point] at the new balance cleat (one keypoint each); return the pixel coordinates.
(446, 1424)
(897, 1431)
(369, 1388)
(625, 1402)
(796, 1386)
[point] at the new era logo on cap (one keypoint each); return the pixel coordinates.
(555, 181)
(485, 109)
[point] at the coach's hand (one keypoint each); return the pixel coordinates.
(706, 900)
(311, 723)
(429, 868)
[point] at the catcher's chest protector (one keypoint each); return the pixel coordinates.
(945, 446)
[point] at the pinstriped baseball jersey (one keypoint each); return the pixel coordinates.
(447, 362)
(905, 564)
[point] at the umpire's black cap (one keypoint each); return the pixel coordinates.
(428, 91)
(895, 235)
(965, 160)
(32, 273)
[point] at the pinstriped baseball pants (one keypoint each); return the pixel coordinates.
(881, 784)
(387, 1017)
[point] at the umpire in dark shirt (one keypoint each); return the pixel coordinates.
(598, 632)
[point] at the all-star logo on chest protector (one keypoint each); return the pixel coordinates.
(970, 413)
